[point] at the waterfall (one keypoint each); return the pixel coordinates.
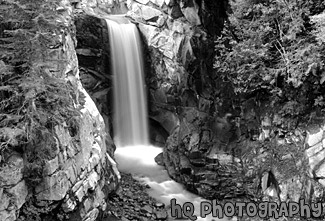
(131, 121)
(130, 109)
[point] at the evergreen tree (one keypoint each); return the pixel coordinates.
(269, 45)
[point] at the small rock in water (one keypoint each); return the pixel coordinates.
(160, 205)
(159, 159)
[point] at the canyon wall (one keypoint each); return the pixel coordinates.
(67, 170)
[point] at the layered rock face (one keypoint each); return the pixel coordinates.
(75, 178)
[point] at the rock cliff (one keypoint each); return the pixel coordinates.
(56, 159)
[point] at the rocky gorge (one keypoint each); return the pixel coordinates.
(184, 94)
(219, 144)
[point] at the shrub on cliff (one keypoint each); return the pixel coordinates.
(32, 99)
(269, 46)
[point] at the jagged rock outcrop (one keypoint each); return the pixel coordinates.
(68, 171)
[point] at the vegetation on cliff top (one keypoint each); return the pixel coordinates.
(32, 98)
(269, 47)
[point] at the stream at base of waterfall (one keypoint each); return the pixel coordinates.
(139, 161)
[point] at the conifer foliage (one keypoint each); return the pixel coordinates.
(268, 45)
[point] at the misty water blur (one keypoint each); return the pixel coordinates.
(130, 108)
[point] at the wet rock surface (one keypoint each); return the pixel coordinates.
(132, 202)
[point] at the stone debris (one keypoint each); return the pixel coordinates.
(132, 202)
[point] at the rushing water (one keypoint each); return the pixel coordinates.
(130, 120)
(139, 160)
(133, 154)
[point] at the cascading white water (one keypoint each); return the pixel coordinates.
(130, 120)
(133, 153)
(139, 161)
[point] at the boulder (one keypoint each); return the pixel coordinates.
(190, 11)
(147, 14)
